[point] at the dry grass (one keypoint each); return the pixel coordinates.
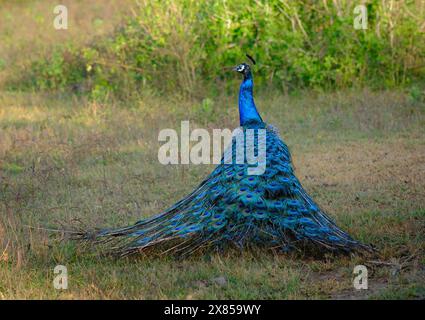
(27, 32)
(67, 161)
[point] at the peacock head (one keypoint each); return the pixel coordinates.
(244, 68)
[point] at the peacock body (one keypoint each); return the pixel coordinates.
(232, 207)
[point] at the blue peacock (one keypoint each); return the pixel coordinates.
(232, 208)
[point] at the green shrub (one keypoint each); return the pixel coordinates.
(187, 45)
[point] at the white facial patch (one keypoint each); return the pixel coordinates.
(241, 68)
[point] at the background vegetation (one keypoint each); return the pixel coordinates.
(80, 112)
(185, 45)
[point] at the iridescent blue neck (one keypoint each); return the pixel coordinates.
(247, 109)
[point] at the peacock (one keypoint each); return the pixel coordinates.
(235, 208)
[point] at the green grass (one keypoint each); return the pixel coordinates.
(68, 161)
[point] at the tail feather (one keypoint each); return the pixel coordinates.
(231, 208)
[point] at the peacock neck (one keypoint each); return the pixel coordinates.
(247, 110)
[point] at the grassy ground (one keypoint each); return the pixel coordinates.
(64, 160)
(68, 161)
